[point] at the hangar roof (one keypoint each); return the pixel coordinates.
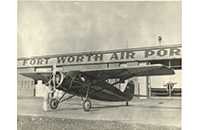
(101, 57)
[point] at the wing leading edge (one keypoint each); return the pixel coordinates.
(133, 71)
(45, 76)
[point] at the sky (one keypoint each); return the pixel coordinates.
(48, 28)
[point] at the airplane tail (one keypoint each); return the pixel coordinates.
(130, 89)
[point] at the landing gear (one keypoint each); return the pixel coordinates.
(87, 105)
(54, 103)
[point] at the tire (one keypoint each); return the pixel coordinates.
(87, 105)
(54, 103)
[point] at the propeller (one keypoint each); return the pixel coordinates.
(54, 76)
(54, 80)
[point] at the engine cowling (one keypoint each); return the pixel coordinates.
(62, 81)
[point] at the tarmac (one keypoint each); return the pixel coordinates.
(164, 112)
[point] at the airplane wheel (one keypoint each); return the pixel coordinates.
(87, 105)
(127, 103)
(54, 103)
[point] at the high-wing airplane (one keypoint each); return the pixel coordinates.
(93, 83)
(167, 90)
(170, 85)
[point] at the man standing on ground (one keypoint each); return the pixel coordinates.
(48, 90)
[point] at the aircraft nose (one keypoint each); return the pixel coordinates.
(57, 79)
(62, 81)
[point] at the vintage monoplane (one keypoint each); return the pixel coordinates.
(94, 83)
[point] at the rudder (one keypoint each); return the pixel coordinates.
(130, 89)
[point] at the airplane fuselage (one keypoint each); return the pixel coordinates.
(99, 90)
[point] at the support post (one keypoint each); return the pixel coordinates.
(138, 90)
(149, 89)
(34, 88)
(147, 86)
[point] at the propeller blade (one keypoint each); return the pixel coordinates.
(54, 75)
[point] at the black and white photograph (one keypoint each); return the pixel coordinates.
(99, 65)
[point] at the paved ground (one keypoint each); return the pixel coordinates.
(162, 112)
(49, 123)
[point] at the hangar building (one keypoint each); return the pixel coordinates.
(169, 55)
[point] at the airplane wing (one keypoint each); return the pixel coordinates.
(45, 76)
(108, 73)
(128, 72)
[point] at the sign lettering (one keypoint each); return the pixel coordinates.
(105, 57)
